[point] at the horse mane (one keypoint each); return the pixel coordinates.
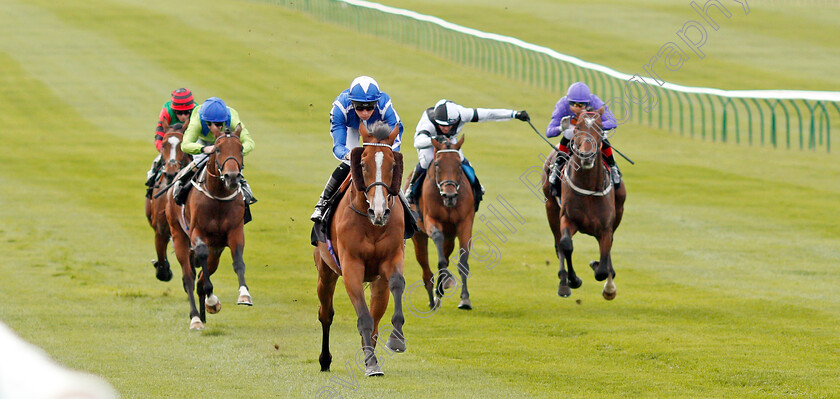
(380, 130)
(176, 127)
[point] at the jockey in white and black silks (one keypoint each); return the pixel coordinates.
(362, 102)
(578, 99)
(444, 122)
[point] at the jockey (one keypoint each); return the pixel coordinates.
(362, 102)
(577, 100)
(198, 140)
(444, 122)
(178, 109)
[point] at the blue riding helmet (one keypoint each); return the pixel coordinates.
(364, 89)
(214, 110)
(578, 92)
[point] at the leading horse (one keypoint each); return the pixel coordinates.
(210, 220)
(588, 202)
(367, 246)
(448, 210)
(173, 160)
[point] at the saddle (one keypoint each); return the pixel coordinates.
(321, 230)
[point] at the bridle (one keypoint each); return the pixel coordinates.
(219, 166)
(442, 184)
(376, 183)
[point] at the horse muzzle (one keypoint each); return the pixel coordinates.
(449, 199)
(379, 218)
(231, 179)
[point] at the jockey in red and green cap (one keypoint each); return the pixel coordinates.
(178, 109)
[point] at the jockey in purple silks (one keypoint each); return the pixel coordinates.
(579, 99)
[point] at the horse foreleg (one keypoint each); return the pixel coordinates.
(603, 268)
(326, 289)
(378, 304)
(444, 279)
(236, 243)
(568, 280)
(353, 278)
(162, 270)
(464, 235)
(421, 252)
(180, 242)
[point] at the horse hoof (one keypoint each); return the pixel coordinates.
(395, 344)
(576, 283)
(164, 274)
(373, 371)
(609, 295)
(436, 304)
(244, 297)
(564, 291)
(594, 264)
(196, 324)
(244, 300)
(212, 304)
(465, 304)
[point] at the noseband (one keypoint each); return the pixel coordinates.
(442, 184)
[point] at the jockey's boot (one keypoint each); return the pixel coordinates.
(556, 169)
(180, 189)
(246, 191)
(414, 190)
(330, 189)
(152, 175)
(616, 176)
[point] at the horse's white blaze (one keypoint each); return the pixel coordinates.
(211, 300)
(173, 147)
(609, 286)
(379, 192)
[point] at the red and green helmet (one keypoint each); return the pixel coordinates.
(182, 100)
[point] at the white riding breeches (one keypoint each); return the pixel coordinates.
(427, 155)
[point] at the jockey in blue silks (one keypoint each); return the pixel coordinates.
(364, 103)
(577, 100)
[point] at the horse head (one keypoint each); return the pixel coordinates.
(586, 143)
(377, 170)
(448, 171)
(227, 157)
(172, 156)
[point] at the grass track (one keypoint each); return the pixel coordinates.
(726, 259)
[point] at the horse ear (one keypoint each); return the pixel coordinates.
(364, 133)
(394, 133)
(165, 125)
(460, 142)
(437, 144)
(238, 130)
(215, 130)
(601, 110)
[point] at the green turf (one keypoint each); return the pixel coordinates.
(726, 258)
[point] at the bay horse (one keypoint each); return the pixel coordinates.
(588, 203)
(448, 210)
(210, 220)
(173, 160)
(368, 246)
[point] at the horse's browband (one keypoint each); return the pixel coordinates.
(448, 150)
(376, 144)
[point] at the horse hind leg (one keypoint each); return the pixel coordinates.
(326, 290)
(421, 252)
